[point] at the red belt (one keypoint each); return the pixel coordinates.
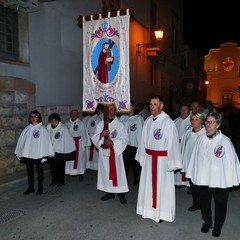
(112, 167)
(155, 154)
(91, 152)
(75, 164)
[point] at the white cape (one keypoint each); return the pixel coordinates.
(34, 142)
(214, 163)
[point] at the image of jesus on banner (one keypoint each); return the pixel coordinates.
(105, 68)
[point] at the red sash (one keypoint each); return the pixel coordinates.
(184, 179)
(112, 166)
(113, 170)
(75, 164)
(91, 152)
(155, 154)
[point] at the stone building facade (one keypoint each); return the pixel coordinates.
(222, 66)
(17, 100)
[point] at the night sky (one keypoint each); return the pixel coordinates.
(210, 23)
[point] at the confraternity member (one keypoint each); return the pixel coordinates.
(80, 135)
(92, 151)
(33, 147)
(159, 155)
(182, 124)
(187, 143)
(111, 144)
(64, 148)
(214, 167)
(134, 125)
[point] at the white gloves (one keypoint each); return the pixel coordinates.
(43, 160)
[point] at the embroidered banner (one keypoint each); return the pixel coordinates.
(190, 89)
(106, 63)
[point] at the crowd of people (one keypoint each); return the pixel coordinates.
(194, 146)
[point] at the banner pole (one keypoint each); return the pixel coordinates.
(105, 117)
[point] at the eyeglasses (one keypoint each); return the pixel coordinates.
(210, 122)
(33, 116)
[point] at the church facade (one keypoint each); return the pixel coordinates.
(222, 67)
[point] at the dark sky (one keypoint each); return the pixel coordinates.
(209, 23)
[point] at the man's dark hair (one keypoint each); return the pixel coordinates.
(55, 116)
(159, 98)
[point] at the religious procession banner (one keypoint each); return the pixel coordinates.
(190, 88)
(106, 63)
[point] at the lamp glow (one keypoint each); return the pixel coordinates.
(158, 34)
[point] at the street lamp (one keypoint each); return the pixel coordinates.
(206, 82)
(158, 36)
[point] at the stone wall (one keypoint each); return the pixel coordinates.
(17, 97)
(17, 100)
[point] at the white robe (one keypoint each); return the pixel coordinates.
(182, 126)
(61, 138)
(119, 136)
(187, 144)
(34, 142)
(144, 113)
(158, 135)
(92, 151)
(214, 163)
(78, 129)
(134, 126)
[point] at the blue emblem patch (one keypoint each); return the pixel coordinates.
(133, 128)
(57, 135)
(92, 124)
(219, 151)
(157, 134)
(36, 134)
(75, 127)
(113, 133)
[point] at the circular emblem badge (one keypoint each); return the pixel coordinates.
(219, 151)
(36, 134)
(57, 135)
(92, 124)
(75, 127)
(133, 128)
(113, 133)
(157, 134)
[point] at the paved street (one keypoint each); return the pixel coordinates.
(75, 211)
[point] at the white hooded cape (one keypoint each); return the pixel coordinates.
(214, 163)
(34, 142)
